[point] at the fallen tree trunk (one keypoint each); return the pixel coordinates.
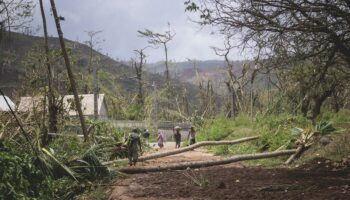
(298, 152)
(200, 164)
(189, 148)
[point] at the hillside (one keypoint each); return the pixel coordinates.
(186, 71)
(18, 45)
(116, 79)
(13, 50)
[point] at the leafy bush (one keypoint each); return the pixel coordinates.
(72, 142)
(20, 178)
(343, 116)
(221, 128)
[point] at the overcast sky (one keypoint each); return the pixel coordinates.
(120, 19)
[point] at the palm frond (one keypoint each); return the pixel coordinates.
(62, 166)
(324, 127)
(89, 166)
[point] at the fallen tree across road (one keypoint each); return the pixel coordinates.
(200, 164)
(189, 148)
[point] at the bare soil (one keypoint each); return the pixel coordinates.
(319, 179)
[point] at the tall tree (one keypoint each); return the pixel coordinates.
(287, 34)
(52, 108)
(92, 68)
(138, 66)
(162, 39)
(14, 15)
(69, 70)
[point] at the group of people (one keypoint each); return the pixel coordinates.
(134, 141)
(177, 137)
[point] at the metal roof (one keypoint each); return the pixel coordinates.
(4, 106)
(87, 101)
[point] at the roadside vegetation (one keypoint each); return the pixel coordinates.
(293, 94)
(276, 133)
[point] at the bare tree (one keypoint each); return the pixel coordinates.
(160, 39)
(69, 70)
(236, 83)
(206, 93)
(14, 15)
(320, 25)
(52, 108)
(138, 66)
(92, 68)
(287, 35)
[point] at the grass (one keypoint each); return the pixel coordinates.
(275, 134)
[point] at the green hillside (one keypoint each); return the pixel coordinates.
(116, 79)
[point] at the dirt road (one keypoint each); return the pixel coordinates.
(233, 182)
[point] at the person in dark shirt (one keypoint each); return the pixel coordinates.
(192, 135)
(177, 136)
(134, 144)
(146, 135)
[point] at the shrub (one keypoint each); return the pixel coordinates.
(20, 178)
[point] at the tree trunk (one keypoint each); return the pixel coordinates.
(52, 110)
(200, 164)
(318, 101)
(167, 75)
(189, 148)
(69, 70)
(299, 150)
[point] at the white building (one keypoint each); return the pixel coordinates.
(87, 104)
(27, 104)
(3, 105)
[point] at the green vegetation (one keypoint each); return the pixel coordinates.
(64, 169)
(275, 133)
(292, 95)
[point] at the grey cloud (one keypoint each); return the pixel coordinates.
(120, 20)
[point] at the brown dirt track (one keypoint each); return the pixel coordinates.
(316, 180)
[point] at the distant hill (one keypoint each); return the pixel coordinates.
(115, 77)
(214, 70)
(19, 44)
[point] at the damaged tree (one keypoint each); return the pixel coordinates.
(138, 66)
(69, 70)
(162, 39)
(190, 148)
(52, 103)
(200, 164)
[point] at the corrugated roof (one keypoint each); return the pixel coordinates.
(4, 106)
(27, 104)
(87, 104)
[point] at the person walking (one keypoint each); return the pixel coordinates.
(160, 140)
(177, 136)
(134, 144)
(146, 135)
(192, 135)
